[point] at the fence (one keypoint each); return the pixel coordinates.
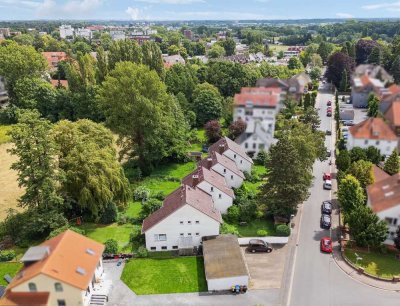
(269, 239)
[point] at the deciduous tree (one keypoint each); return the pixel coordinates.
(362, 171)
(350, 194)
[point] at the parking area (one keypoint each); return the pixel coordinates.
(360, 114)
(266, 269)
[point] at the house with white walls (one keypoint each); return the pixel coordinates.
(384, 200)
(234, 151)
(373, 132)
(224, 166)
(213, 184)
(186, 216)
(64, 270)
(362, 87)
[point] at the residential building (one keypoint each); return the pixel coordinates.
(5, 31)
(186, 216)
(224, 264)
(170, 60)
(221, 35)
(1, 37)
(373, 71)
(293, 51)
(66, 31)
(53, 58)
(372, 132)
(392, 115)
(65, 270)
(392, 94)
(346, 114)
(235, 152)
(84, 33)
(384, 200)
(213, 184)
(188, 34)
(362, 87)
(224, 166)
(140, 39)
(117, 35)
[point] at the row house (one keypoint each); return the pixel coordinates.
(53, 58)
(362, 87)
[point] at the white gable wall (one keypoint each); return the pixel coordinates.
(231, 179)
(222, 201)
(394, 214)
(173, 228)
(265, 114)
(241, 163)
(386, 147)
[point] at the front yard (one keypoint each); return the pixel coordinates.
(10, 268)
(376, 263)
(160, 276)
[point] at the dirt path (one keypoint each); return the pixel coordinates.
(9, 190)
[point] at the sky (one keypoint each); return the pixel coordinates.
(196, 9)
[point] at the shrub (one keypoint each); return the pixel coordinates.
(149, 207)
(262, 233)
(159, 196)
(122, 219)
(109, 215)
(213, 131)
(282, 230)
(261, 158)
(229, 229)
(142, 252)
(63, 229)
(141, 193)
(132, 171)
(247, 210)
(111, 246)
(136, 235)
(233, 214)
(7, 255)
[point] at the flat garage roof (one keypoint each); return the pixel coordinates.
(223, 257)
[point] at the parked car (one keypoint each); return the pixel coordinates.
(327, 185)
(326, 176)
(326, 245)
(258, 245)
(328, 153)
(328, 132)
(326, 207)
(325, 221)
(329, 114)
(329, 103)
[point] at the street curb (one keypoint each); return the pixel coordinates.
(334, 256)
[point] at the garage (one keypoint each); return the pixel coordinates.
(224, 263)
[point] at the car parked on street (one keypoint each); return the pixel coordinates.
(326, 245)
(258, 245)
(329, 103)
(327, 185)
(328, 132)
(326, 176)
(326, 207)
(329, 114)
(325, 221)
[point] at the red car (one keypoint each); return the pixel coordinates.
(329, 103)
(329, 109)
(326, 176)
(326, 245)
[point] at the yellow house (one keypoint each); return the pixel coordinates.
(66, 270)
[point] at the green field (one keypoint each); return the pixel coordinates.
(376, 263)
(278, 48)
(3, 133)
(10, 268)
(160, 276)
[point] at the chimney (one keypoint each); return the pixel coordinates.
(195, 180)
(221, 149)
(209, 163)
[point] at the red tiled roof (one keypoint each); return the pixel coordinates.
(184, 195)
(264, 98)
(54, 57)
(394, 89)
(25, 299)
(373, 128)
(393, 113)
(216, 158)
(63, 83)
(210, 176)
(229, 144)
(384, 194)
(68, 251)
(379, 174)
(365, 80)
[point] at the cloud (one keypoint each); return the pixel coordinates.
(171, 1)
(214, 15)
(344, 15)
(20, 4)
(70, 8)
(393, 7)
(134, 13)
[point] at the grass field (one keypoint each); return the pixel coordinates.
(278, 48)
(133, 209)
(10, 268)
(160, 276)
(251, 228)
(375, 263)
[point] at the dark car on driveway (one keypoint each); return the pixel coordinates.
(258, 245)
(325, 221)
(326, 207)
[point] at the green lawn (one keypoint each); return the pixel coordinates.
(173, 170)
(101, 233)
(160, 276)
(10, 268)
(278, 48)
(201, 135)
(376, 263)
(3, 133)
(251, 228)
(260, 171)
(133, 209)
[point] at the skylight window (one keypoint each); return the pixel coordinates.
(90, 251)
(81, 271)
(389, 194)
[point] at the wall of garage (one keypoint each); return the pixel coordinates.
(273, 240)
(226, 283)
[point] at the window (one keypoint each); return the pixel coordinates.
(231, 177)
(160, 237)
(197, 234)
(163, 248)
(174, 247)
(366, 141)
(224, 170)
(197, 222)
(58, 287)
(32, 287)
(389, 220)
(189, 234)
(61, 303)
(153, 248)
(394, 221)
(220, 196)
(212, 189)
(241, 161)
(189, 222)
(377, 142)
(246, 145)
(254, 145)
(234, 155)
(181, 222)
(181, 234)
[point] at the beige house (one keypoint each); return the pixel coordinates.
(65, 270)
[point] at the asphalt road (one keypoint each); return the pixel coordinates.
(316, 279)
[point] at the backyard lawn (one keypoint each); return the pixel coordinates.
(250, 230)
(160, 276)
(133, 209)
(260, 171)
(3, 133)
(375, 263)
(10, 268)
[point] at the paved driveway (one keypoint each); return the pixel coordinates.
(266, 269)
